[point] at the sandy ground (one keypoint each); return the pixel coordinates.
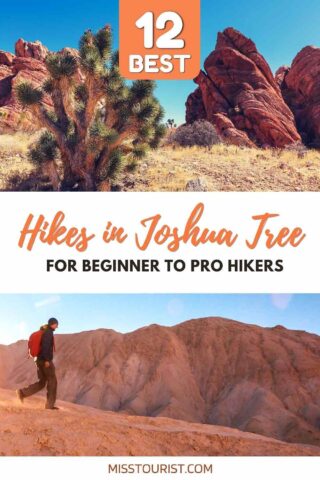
(169, 169)
(29, 429)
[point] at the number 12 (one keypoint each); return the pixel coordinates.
(166, 40)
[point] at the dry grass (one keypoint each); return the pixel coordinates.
(227, 168)
(13, 156)
(17, 142)
(168, 169)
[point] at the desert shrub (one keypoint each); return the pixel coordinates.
(28, 182)
(299, 148)
(169, 138)
(200, 133)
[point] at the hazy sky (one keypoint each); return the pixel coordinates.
(280, 29)
(20, 315)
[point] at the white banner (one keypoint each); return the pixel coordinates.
(223, 468)
(157, 243)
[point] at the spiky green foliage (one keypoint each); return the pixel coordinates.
(48, 86)
(146, 132)
(81, 93)
(61, 65)
(101, 134)
(44, 150)
(114, 167)
(142, 89)
(95, 49)
(103, 40)
(160, 115)
(28, 95)
(160, 132)
(139, 151)
(147, 110)
(114, 59)
(52, 116)
(100, 124)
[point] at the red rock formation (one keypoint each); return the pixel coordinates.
(300, 87)
(195, 107)
(280, 74)
(216, 371)
(26, 65)
(241, 97)
(31, 50)
(6, 58)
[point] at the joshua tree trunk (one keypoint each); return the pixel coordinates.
(49, 169)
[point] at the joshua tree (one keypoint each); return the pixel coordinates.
(171, 123)
(99, 125)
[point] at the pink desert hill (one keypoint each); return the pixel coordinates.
(210, 371)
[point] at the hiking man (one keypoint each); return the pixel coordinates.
(45, 367)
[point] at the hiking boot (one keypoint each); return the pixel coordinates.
(20, 395)
(52, 408)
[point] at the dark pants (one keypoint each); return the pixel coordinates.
(46, 376)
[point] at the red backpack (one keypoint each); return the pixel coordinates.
(34, 343)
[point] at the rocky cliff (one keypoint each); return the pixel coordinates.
(249, 106)
(300, 86)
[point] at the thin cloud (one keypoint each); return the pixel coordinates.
(281, 301)
(175, 307)
(52, 300)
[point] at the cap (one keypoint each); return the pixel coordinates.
(53, 321)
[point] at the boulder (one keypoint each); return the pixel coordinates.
(197, 185)
(300, 86)
(241, 97)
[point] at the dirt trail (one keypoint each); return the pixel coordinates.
(29, 429)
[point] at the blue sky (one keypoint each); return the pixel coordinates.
(280, 29)
(20, 315)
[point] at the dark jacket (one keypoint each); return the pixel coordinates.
(47, 345)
